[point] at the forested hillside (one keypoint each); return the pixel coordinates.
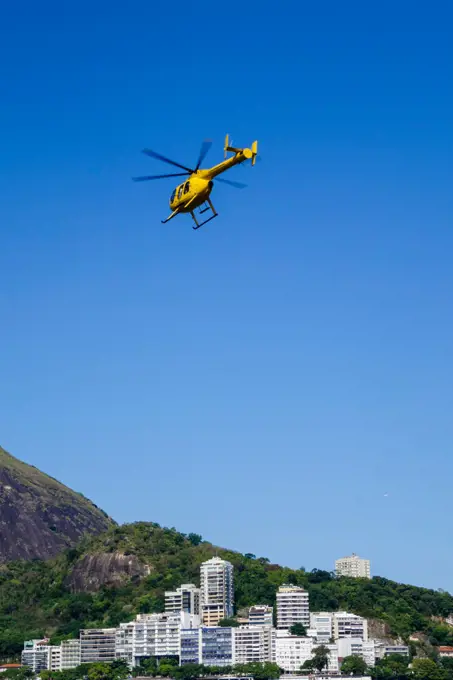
(109, 578)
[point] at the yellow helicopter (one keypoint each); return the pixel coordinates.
(195, 191)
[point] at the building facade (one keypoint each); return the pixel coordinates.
(291, 652)
(35, 655)
(261, 615)
(321, 627)
(217, 591)
(353, 566)
(357, 647)
(349, 625)
(97, 644)
(156, 635)
(292, 606)
(253, 643)
(70, 654)
(186, 598)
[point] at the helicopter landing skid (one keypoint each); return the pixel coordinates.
(204, 208)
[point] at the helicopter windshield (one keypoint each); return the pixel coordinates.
(172, 198)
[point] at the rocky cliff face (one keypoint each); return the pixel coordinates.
(39, 516)
(105, 569)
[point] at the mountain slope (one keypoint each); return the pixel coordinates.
(109, 578)
(39, 516)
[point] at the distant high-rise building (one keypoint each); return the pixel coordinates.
(353, 566)
(292, 606)
(261, 615)
(186, 598)
(217, 593)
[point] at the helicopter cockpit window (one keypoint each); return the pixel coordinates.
(172, 198)
(180, 191)
(186, 187)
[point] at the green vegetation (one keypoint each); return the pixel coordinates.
(319, 661)
(229, 623)
(298, 629)
(353, 665)
(37, 598)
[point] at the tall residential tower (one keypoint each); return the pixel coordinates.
(292, 606)
(217, 593)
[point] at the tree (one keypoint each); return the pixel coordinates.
(353, 665)
(195, 539)
(320, 659)
(228, 623)
(259, 671)
(392, 667)
(427, 669)
(298, 629)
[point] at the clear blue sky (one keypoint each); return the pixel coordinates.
(265, 380)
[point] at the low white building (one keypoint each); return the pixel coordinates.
(253, 644)
(292, 651)
(54, 658)
(345, 624)
(186, 598)
(97, 645)
(321, 627)
(156, 635)
(261, 615)
(383, 650)
(70, 654)
(36, 655)
(357, 647)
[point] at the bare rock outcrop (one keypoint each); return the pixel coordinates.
(93, 571)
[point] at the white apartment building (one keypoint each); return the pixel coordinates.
(217, 592)
(97, 644)
(353, 566)
(54, 663)
(253, 643)
(156, 635)
(70, 654)
(321, 627)
(292, 651)
(292, 606)
(357, 647)
(383, 650)
(346, 625)
(186, 598)
(35, 655)
(261, 615)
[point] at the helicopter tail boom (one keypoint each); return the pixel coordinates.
(233, 149)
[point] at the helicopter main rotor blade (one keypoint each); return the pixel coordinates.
(146, 177)
(159, 157)
(203, 151)
(237, 185)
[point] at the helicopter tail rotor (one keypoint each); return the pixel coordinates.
(254, 152)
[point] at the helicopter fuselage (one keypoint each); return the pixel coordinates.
(194, 191)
